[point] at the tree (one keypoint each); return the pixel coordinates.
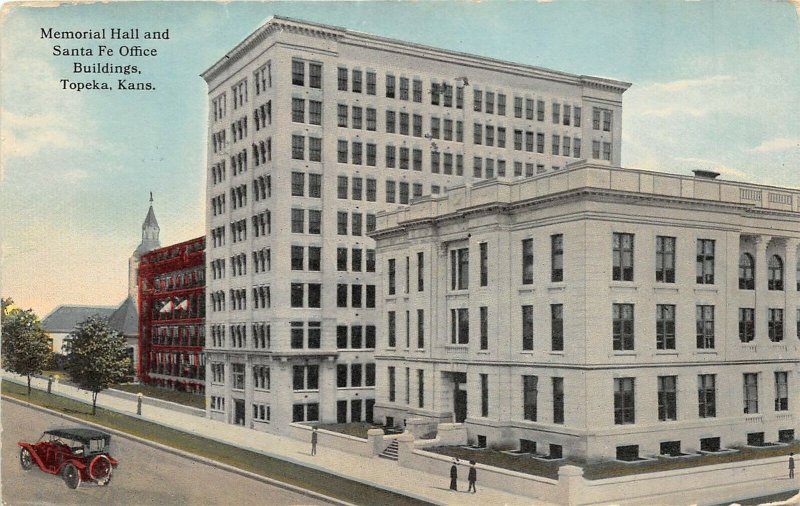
(96, 356)
(26, 346)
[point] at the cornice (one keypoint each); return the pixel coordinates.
(578, 194)
(358, 39)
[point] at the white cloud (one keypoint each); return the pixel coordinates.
(683, 84)
(778, 144)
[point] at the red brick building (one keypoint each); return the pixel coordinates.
(172, 316)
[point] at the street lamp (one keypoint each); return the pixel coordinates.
(139, 403)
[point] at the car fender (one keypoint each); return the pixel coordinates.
(32, 449)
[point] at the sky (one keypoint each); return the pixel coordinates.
(716, 85)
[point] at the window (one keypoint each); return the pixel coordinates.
(622, 257)
(341, 187)
(527, 261)
(775, 273)
(420, 388)
(775, 325)
(459, 269)
(665, 327)
(298, 219)
(298, 72)
(314, 221)
(484, 395)
(622, 326)
(665, 259)
(298, 184)
(358, 116)
(707, 395)
(527, 328)
(705, 261)
(417, 90)
(314, 258)
(484, 315)
(750, 384)
(261, 380)
(392, 276)
(529, 397)
(557, 258)
(371, 80)
(667, 398)
(459, 326)
(781, 391)
(747, 327)
(341, 222)
(484, 251)
(315, 185)
(420, 328)
(624, 408)
(558, 400)
(305, 377)
(356, 81)
(389, 86)
(315, 149)
(557, 326)
(298, 110)
(342, 79)
(237, 376)
(420, 271)
(298, 147)
(705, 327)
(315, 75)
(297, 258)
(746, 272)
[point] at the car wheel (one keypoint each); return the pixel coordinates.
(25, 459)
(100, 469)
(71, 475)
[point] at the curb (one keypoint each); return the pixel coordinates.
(184, 454)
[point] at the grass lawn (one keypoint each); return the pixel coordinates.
(165, 394)
(597, 471)
(286, 472)
(356, 429)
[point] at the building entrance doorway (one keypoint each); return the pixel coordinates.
(459, 396)
(238, 411)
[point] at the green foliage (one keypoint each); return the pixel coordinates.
(25, 345)
(96, 356)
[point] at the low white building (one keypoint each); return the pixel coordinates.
(595, 312)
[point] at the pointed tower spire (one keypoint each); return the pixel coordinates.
(150, 230)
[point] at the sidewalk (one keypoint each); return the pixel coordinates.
(377, 472)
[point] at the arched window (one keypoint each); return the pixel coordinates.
(746, 272)
(775, 273)
(797, 275)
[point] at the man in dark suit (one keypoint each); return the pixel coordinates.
(472, 477)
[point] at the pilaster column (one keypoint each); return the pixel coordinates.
(790, 289)
(760, 272)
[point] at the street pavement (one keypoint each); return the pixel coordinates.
(378, 472)
(145, 475)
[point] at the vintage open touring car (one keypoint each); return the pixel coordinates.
(77, 454)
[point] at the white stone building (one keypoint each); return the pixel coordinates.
(594, 312)
(312, 131)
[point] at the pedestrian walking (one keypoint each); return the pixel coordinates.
(454, 476)
(791, 466)
(472, 477)
(314, 441)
